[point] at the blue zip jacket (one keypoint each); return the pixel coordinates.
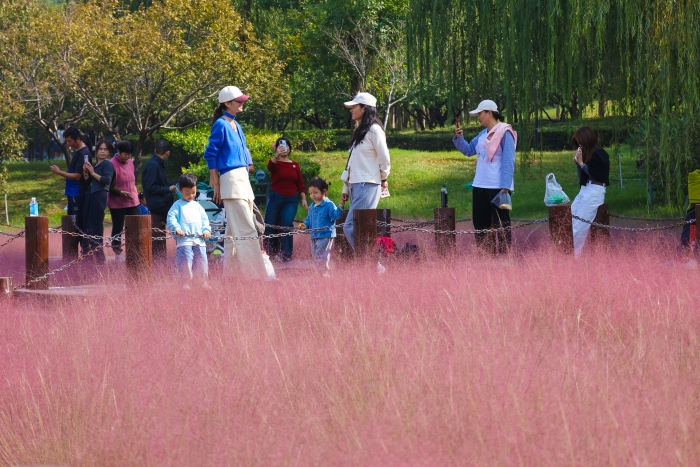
(506, 149)
(323, 215)
(227, 147)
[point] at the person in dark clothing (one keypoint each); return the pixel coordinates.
(100, 176)
(75, 188)
(159, 193)
(593, 169)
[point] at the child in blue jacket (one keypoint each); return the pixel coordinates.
(189, 222)
(322, 213)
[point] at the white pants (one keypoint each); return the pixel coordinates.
(586, 207)
(242, 258)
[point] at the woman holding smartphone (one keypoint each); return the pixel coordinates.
(593, 169)
(495, 166)
(99, 177)
(283, 202)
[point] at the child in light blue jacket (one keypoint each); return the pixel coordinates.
(190, 223)
(322, 213)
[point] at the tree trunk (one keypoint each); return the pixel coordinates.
(601, 103)
(574, 105)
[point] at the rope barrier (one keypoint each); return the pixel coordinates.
(633, 229)
(464, 232)
(67, 265)
(648, 219)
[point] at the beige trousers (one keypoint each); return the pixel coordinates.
(242, 258)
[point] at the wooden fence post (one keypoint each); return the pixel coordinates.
(36, 250)
(601, 235)
(445, 244)
(341, 244)
(560, 227)
(365, 231)
(5, 288)
(69, 243)
(139, 254)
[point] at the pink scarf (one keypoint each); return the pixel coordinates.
(125, 180)
(494, 137)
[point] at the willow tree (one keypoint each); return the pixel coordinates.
(642, 55)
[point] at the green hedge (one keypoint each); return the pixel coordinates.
(188, 151)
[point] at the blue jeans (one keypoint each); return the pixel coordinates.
(186, 256)
(280, 210)
(362, 196)
(321, 249)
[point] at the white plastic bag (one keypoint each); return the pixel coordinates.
(502, 201)
(553, 194)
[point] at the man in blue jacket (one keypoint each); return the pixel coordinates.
(159, 193)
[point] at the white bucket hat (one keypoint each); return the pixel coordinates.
(362, 98)
(485, 105)
(232, 93)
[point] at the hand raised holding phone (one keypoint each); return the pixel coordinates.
(458, 130)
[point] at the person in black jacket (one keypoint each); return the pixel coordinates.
(593, 168)
(159, 193)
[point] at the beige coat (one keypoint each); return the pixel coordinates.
(369, 161)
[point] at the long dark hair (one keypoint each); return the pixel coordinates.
(218, 113)
(368, 119)
(586, 138)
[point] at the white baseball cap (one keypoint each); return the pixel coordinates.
(362, 98)
(485, 105)
(232, 93)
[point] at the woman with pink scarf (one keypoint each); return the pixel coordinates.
(123, 197)
(495, 166)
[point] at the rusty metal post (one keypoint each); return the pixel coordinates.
(5, 288)
(69, 243)
(139, 255)
(365, 231)
(601, 235)
(560, 228)
(445, 244)
(341, 244)
(384, 216)
(36, 250)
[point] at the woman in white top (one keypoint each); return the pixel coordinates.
(368, 165)
(495, 166)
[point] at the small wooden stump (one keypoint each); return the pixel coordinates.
(445, 244)
(365, 232)
(139, 254)
(36, 247)
(6, 288)
(69, 243)
(561, 228)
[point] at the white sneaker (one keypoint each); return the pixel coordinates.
(380, 269)
(120, 258)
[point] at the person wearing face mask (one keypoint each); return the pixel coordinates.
(495, 166)
(123, 197)
(228, 160)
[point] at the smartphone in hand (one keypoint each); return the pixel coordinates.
(384, 193)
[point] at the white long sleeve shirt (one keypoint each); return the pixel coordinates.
(369, 161)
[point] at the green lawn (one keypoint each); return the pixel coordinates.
(414, 184)
(417, 177)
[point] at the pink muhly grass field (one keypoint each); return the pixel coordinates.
(538, 360)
